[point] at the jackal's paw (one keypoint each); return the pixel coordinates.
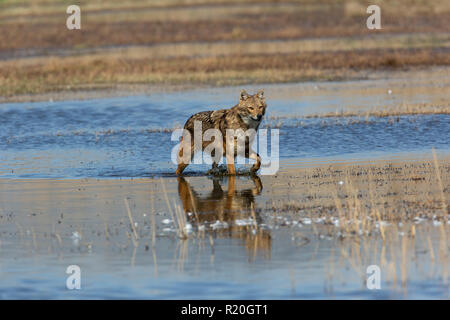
(218, 171)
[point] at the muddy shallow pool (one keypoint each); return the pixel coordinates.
(90, 183)
(241, 242)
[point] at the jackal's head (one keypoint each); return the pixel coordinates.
(252, 107)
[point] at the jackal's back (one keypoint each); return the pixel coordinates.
(208, 119)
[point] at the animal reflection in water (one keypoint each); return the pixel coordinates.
(235, 207)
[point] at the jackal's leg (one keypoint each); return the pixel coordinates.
(181, 168)
(257, 164)
(251, 154)
(183, 159)
(258, 185)
(230, 151)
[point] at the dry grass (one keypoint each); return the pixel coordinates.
(56, 74)
(171, 42)
(390, 111)
(359, 193)
(132, 22)
(383, 214)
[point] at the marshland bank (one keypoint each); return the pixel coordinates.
(142, 45)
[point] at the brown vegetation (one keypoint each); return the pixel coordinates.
(97, 72)
(212, 42)
(143, 24)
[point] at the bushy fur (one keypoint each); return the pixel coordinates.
(247, 114)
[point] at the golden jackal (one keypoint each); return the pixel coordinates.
(246, 115)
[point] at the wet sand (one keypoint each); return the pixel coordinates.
(315, 230)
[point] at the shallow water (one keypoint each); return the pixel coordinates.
(127, 137)
(291, 273)
(48, 224)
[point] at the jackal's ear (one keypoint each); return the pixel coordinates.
(244, 95)
(260, 94)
